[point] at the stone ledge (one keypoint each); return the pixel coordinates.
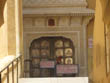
(6, 61)
(54, 80)
(59, 11)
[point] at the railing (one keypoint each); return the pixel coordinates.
(14, 63)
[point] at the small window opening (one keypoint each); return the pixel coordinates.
(51, 22)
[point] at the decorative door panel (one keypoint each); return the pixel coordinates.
(48, 54)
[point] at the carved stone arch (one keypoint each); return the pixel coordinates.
(31, 40)
(69, 38)
(2, 5)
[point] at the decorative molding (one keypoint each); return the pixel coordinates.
(50, 29)
(44, 12)
(54, 3)
(62, 22)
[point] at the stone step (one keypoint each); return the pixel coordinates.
(54, 80)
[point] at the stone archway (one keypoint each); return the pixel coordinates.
(2, 5)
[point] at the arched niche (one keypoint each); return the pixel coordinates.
(55, 48)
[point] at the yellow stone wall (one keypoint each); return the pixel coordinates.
(91, 4)
(90, 28)
(11, 28)
(99, 54)
(3, 35)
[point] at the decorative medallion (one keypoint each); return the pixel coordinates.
(59, 43)
(45, 44)
(59, 52)
(45, 52)
(69, 61)
(68, 52)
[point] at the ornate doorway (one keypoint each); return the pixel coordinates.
(47, 53)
